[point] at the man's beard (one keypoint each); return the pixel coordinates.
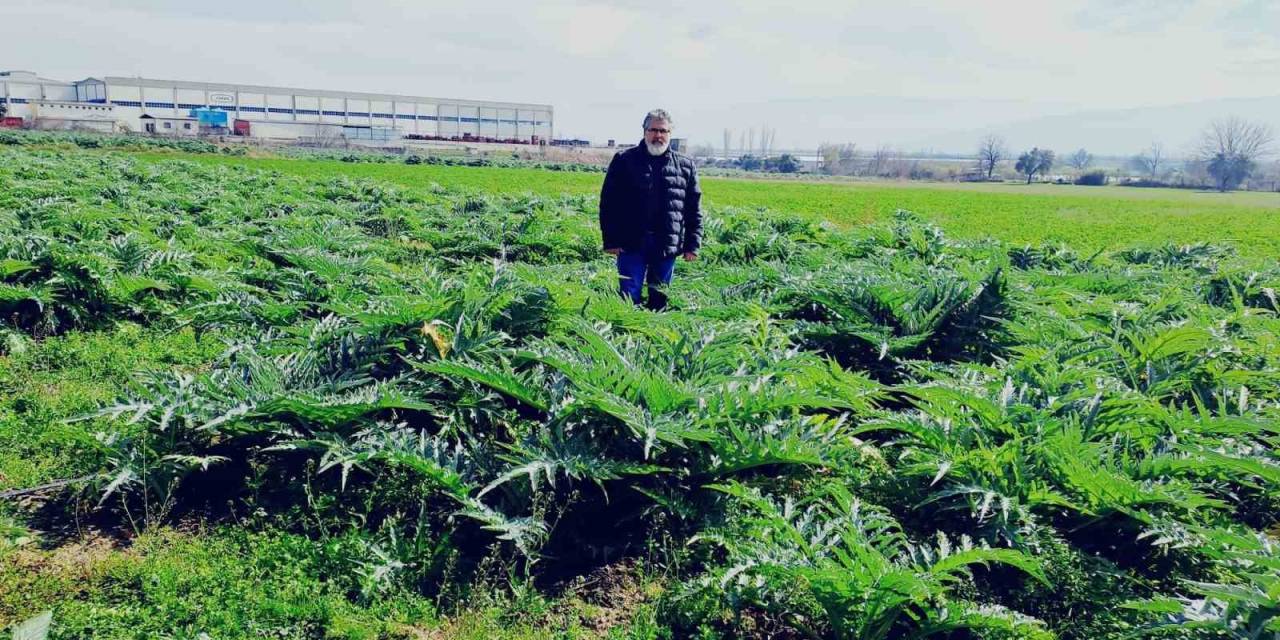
(656, 148)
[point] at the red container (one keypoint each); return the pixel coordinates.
(11, 122)
(241, 127)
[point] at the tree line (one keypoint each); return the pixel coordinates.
(1228, 153)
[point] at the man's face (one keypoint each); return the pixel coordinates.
(658, 133)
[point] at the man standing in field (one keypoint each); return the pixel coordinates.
(650, 212)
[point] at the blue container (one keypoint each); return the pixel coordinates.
(210, 117)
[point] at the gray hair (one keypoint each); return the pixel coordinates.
(657, 114)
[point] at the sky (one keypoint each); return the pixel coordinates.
(897, 72)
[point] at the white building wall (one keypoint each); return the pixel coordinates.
(70, 115)
(59, 92)
(129, 117)
(427, 118)
(506, 123)
(155, 94)
(253, 106)
(307, 109)
(332, 110)
(21, 87)
(291, 130)
(124, 93)
(447, 120)
(182, 127)
(279, 107)
(468, 120)
(190, 98)
(488, 125)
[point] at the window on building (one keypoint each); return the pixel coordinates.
(186, 125)
(168, 125)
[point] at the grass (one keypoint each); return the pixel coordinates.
(43, 383)
(1087, 218)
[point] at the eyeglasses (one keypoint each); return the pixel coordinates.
(662, 131)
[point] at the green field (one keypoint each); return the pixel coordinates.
(295, 398)
(1088, 218)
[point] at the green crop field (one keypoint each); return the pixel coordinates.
(303, 398)
(1087, 218)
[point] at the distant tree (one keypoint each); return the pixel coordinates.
(1092, 179)
(849, 159)
(829, 157)
(749, 162)
(1080, 160)
(1231, 149)
(876, 165)
(1035, 161)
(839, 159)
(1149, 161)
(1273, 175)
(1194, 173)
(991, 151)
(785, 163)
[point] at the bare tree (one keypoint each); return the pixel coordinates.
(728, 139)
(828, 156)
(1149, 161)
(328, 136)
(849, 159)
(766, 140)
(876, 165)
(1231, 149)
(991, 151)
(839, 159)
(1080, 160)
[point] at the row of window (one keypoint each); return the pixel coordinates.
(65, 106)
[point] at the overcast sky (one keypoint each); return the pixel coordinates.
(874, 72)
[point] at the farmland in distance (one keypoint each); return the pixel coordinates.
(1088, 218)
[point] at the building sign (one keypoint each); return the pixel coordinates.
(222, 98)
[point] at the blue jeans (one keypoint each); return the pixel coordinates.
(647, 266)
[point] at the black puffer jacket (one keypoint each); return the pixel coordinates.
(624, 203)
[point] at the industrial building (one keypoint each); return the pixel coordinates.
(121, 104)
